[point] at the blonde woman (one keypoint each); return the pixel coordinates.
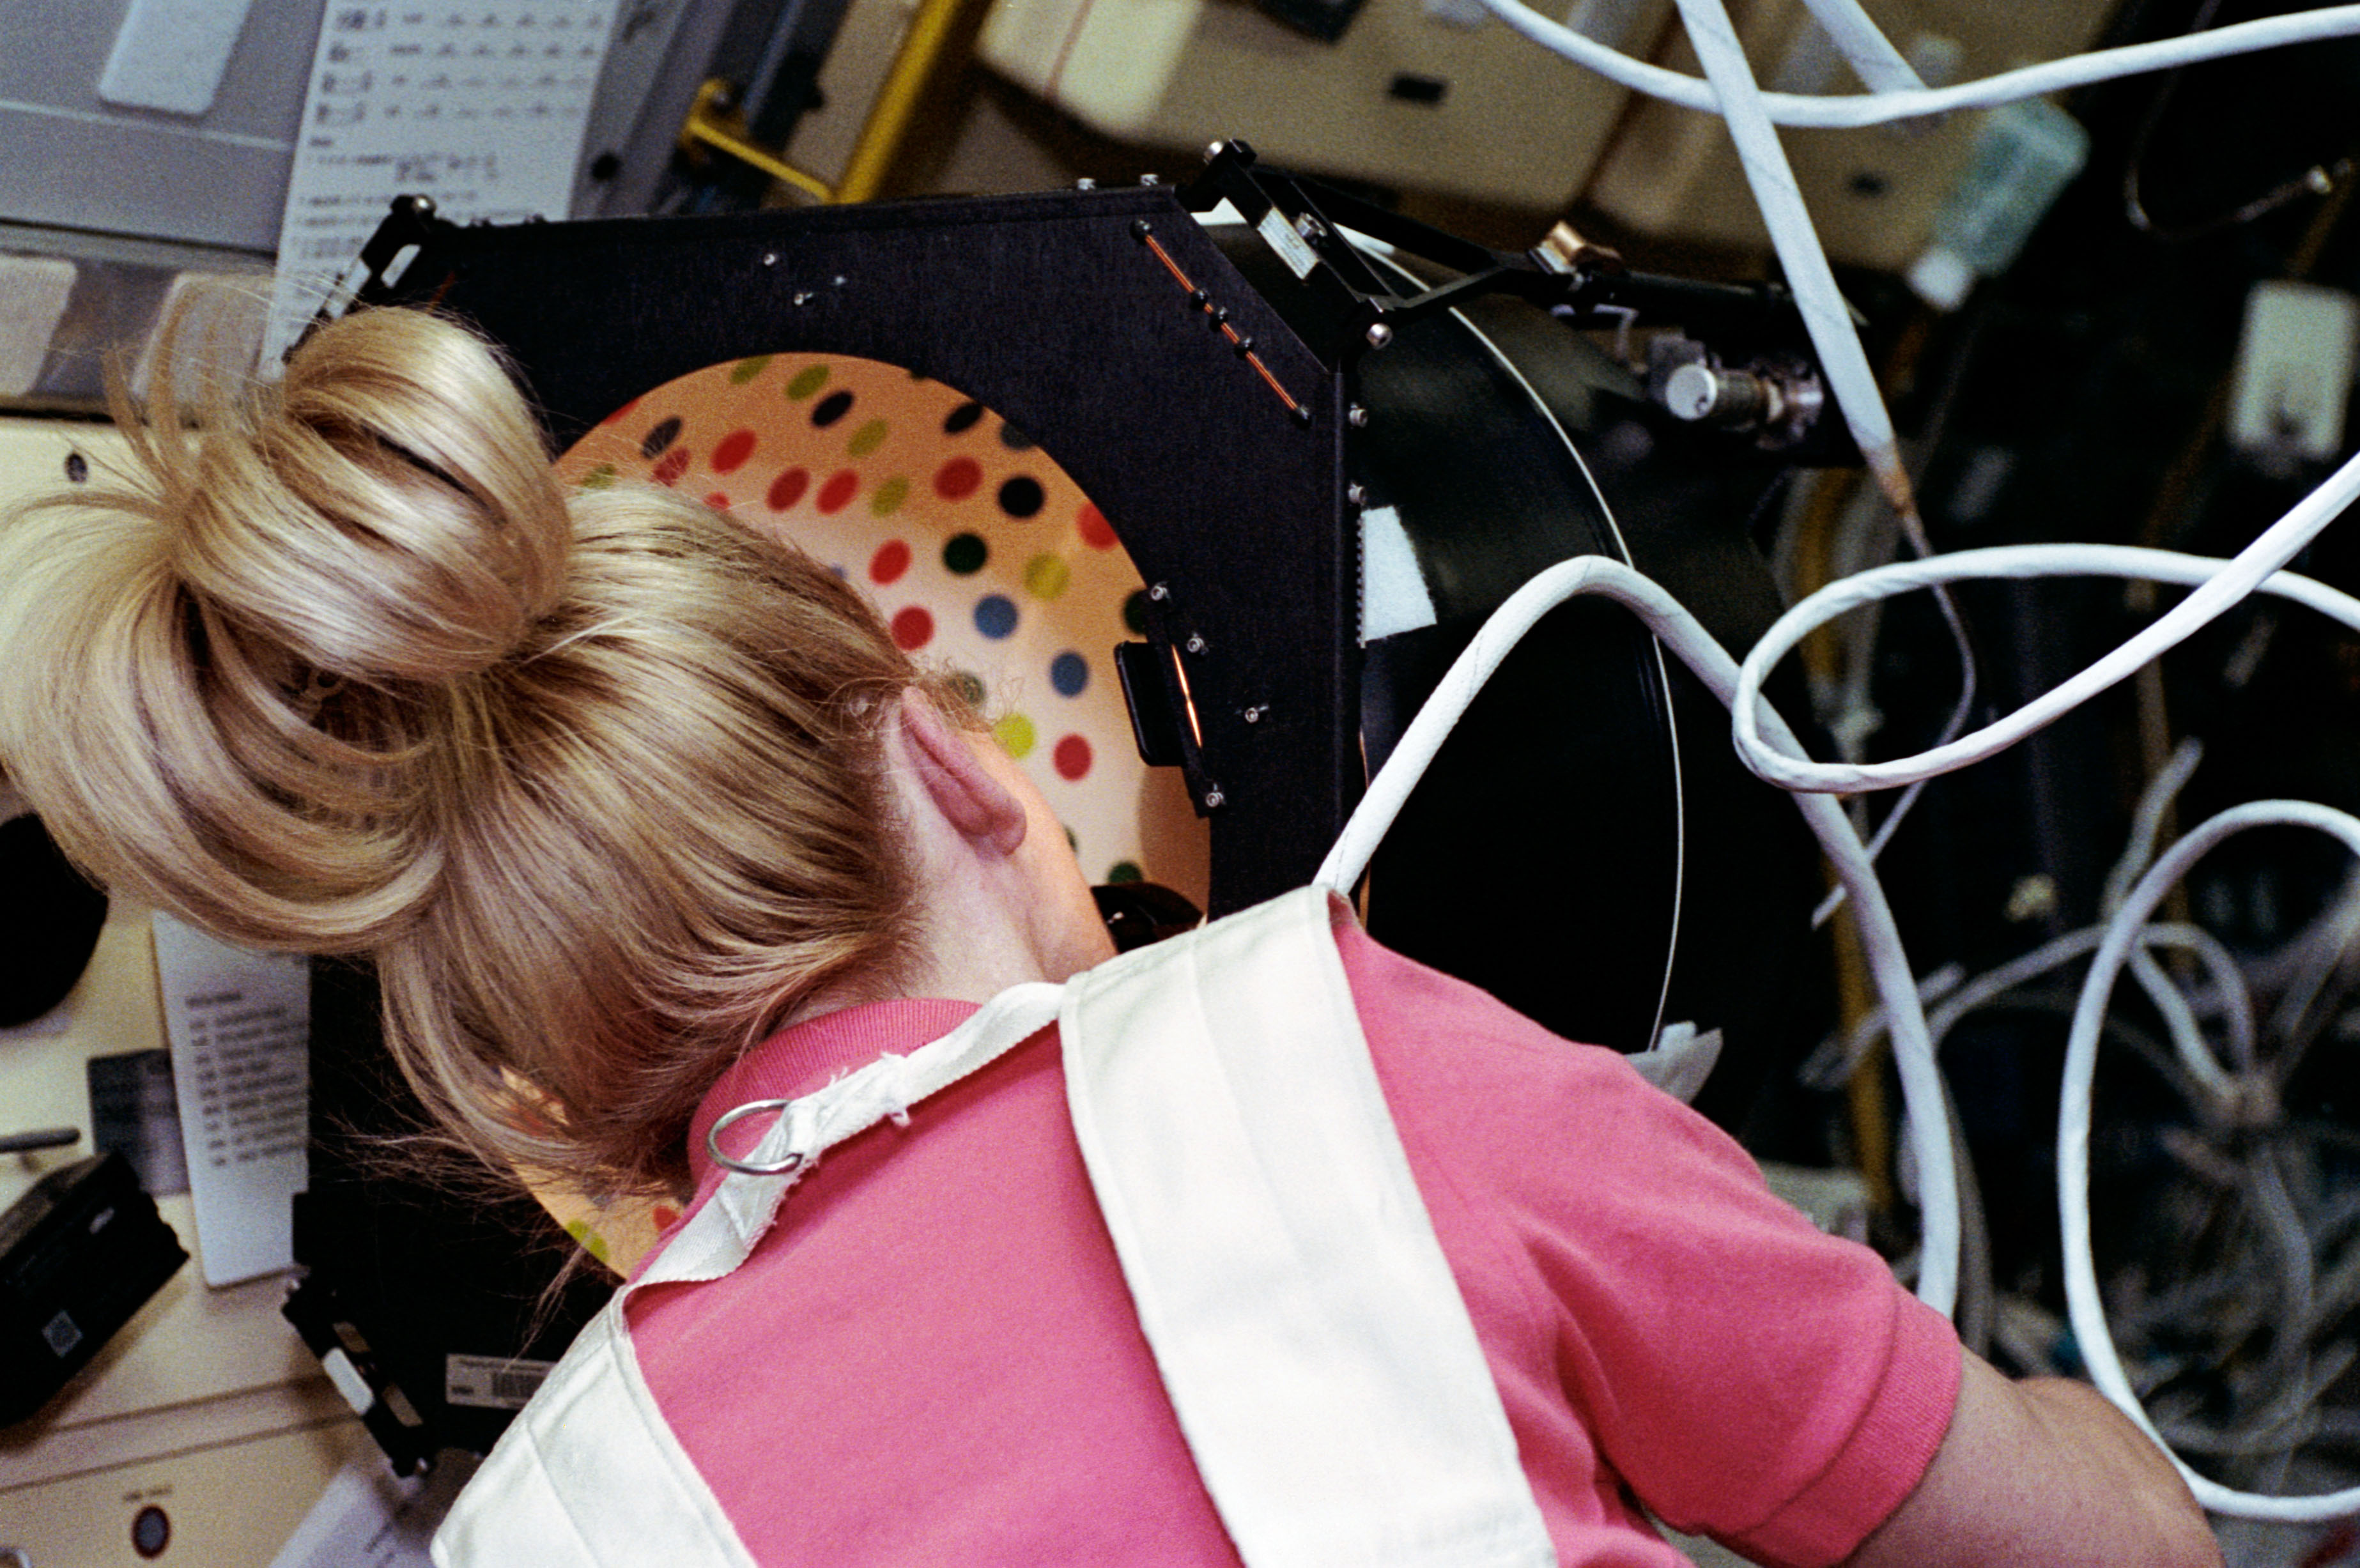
(648, 816)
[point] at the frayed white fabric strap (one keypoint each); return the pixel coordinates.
(590, 1475)
(1304, 1318)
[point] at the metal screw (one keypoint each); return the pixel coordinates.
(1244, 345)
(1254, 713)
(1214, 800)
(1357, 494)
(1216, 151)
(1196, 643)
(1141, 228)
(1159, 592)
(1151, 180)
(1379, 334)
(770, 258)
(1357, 417)
(802, 297)
(1086, 183)
(838, 281)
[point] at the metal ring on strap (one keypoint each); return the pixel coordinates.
(793, 1163)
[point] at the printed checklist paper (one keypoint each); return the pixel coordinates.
(480, 107)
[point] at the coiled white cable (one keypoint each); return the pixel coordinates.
(2083, 1304)
(2218, 584)
(1850, 111)
(1913, 1053)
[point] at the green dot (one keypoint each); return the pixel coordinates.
(965, 554)
(591, 1241)
(968, 685)
(867, 439)
(1134, 611)
(808, 380)
(1046, 576)
(1015, 734)
(887, 498)
(745, 370)
(597, 478)
(1125, 871)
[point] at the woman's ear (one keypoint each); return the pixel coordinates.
(977, 805)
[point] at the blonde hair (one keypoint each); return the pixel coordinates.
(594, 775)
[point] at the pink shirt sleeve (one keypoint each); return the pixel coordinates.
(1747, 1377)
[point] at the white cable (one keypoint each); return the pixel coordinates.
(2218, 585)
(1849, 111)
(1961, 999)
(1866, 50)
(2083, 1303)
(1913, 1053)
(1826, 317)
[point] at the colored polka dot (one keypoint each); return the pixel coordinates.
(1015, 734)
(592, 1242)
(1014, 439)
(662, 436)
(745, 370)
(887, 498)
(830, 409)
(961, 419)
(717, 500)
(1095, 531)
(1072, 758)
(1021, 496)
(674, 464)
(891, 559)
(838, 492)
(665, 1216)
(912, 628)
(1069, 674)
(965, 554)
(808, 380)
(787, 488)
(995, 614)
(598, 478)
(867, 439)
(617, 416)
(959, 479)
(969, 686)
(1125, 871)
(735, 448)
(1134, 611)
(1046, 576)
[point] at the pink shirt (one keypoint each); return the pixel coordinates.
(932, 1358)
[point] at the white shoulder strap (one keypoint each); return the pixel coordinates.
(1305, 1321)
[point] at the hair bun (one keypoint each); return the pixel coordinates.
(389, 514)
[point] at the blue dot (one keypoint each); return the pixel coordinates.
(1069, 672)
(995, 614)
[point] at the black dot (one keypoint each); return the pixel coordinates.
(1868, 184)
(77, 469)
(604, 167)
(1014, 439)
(962, 418)
(662, 436)
(1021, 496)
(832, 408)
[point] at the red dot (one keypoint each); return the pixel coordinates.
(717, 501)
(913, 629)
(1072, 758)
(787, 488)
(619, 413)
(672, 465)
(1097, 532)
(735, 448)
(958, 478)
(838, 492)
(665, 1217)
(891, 559)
